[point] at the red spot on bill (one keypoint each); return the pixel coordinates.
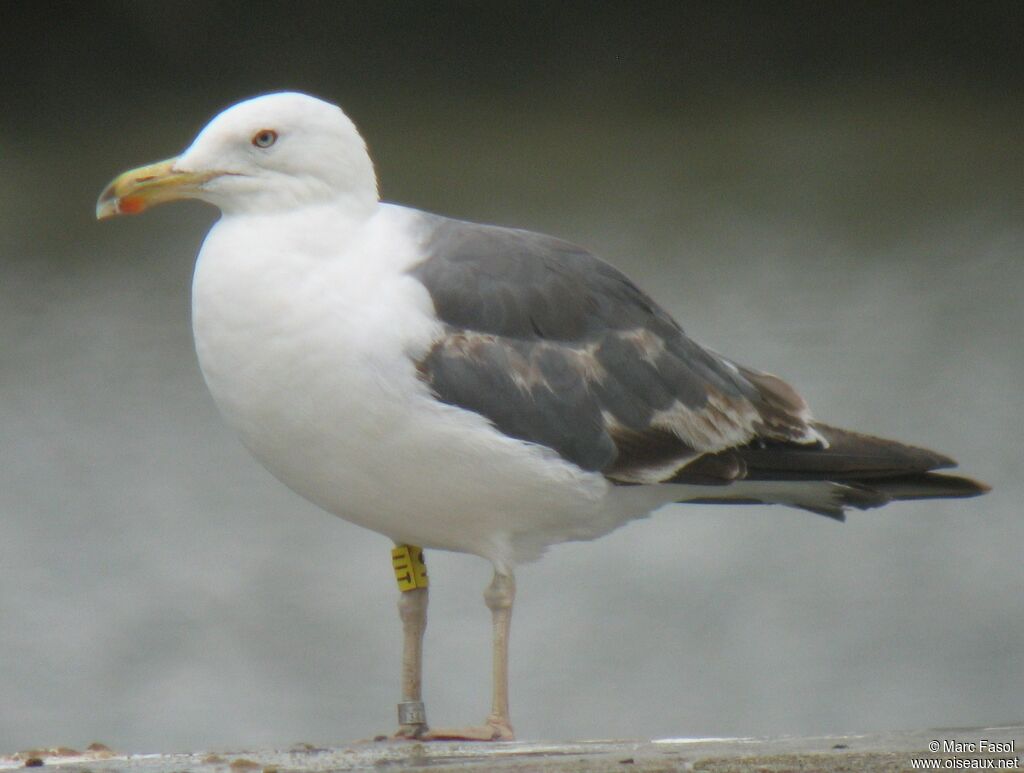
(130, 205)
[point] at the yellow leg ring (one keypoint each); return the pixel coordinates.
(410, 570)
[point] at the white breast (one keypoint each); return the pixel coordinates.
(307, 339)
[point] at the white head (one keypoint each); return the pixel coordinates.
(266, 155)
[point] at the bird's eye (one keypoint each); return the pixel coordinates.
(264, 138)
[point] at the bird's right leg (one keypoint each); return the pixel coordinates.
(499, 597)
(411, 573)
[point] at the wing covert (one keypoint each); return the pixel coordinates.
(556, 347)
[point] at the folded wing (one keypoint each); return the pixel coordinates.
(558, 348)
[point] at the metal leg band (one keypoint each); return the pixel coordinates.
(412, 713)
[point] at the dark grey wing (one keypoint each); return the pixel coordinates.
(558, 348)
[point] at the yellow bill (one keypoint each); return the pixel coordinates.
(139, 189)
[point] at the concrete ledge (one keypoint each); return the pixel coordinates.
(878, 752)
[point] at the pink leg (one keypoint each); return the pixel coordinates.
(412, 608)
(499, 597)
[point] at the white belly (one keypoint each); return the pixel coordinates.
(311, 361)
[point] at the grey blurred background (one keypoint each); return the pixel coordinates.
(824, 191)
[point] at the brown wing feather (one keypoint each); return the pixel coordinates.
(848, 456)
(558, 348)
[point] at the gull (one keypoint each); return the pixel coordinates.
(468, 387)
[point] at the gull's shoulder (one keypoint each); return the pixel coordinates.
(521, 283)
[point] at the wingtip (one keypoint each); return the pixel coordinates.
(931, 485)
(832, 513)
(942, 462)
(981, 487)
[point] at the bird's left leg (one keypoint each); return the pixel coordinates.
(411, 573)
